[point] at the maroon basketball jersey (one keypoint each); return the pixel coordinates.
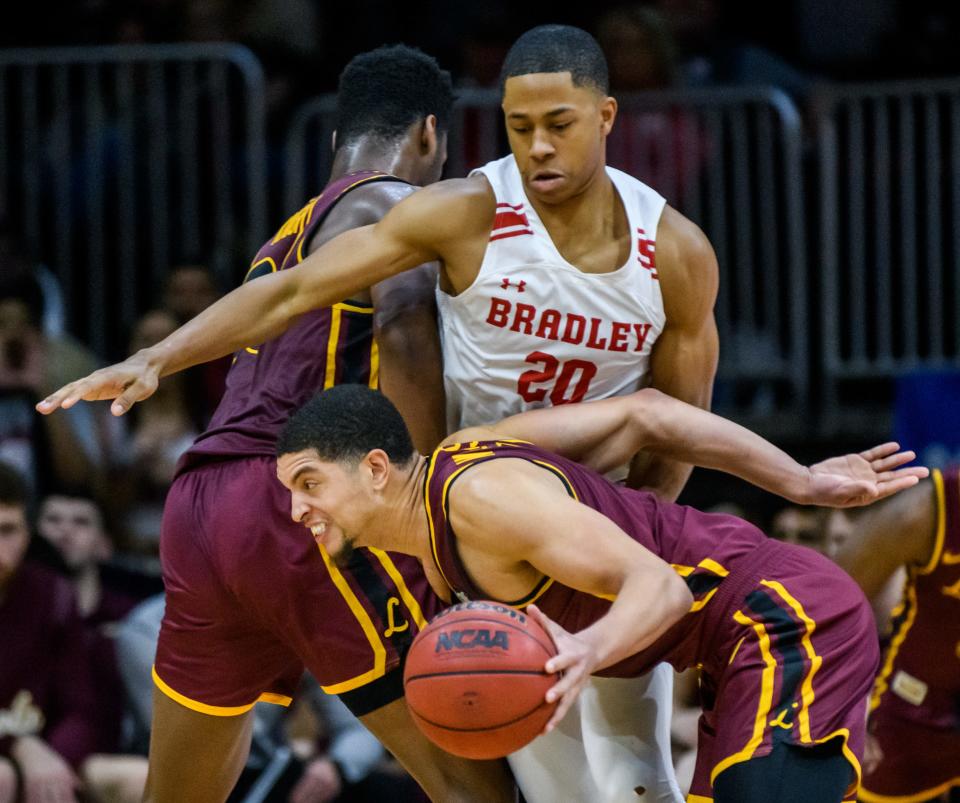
(326, 347)
(919, 678)
(704, 549)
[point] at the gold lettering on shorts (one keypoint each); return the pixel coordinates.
(392, 625)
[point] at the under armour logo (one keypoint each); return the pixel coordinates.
(520, 285)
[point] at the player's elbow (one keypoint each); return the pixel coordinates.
(646, 415)
(676, 598)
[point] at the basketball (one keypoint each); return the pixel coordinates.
(475, 682)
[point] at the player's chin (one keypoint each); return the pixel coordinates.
(344, 553)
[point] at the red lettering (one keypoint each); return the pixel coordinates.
(618, 337)
(592, 342)
(499, 307)
(528, 378)
(523, 317)
(549, 323)
(642, 330)
(568, 330)
(587, 372)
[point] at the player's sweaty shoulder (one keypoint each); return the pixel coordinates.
(687, 265)
(448, 212)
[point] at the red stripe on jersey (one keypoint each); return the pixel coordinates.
(506, 219)
(506, 234)
(502, 205)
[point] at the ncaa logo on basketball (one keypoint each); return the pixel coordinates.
(471, 638)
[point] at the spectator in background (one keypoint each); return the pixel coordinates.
(188, 290)
(663, 145)
(47, 700)
(795, 524)
(161, 431)
(78, 451)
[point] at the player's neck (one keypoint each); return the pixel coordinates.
(368, 155)
(406, 529)
(585, 211)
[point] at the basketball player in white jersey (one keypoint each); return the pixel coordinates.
(560, 280)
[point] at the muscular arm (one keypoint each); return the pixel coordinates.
(900, 531)
(536, 524)
(437, 222)
(684, 358)
(603, 434)
(411, 363)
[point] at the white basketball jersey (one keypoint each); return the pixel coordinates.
(534, 331)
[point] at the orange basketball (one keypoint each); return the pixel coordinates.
(475, 682)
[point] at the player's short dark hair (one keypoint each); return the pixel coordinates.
(345, 422)
(384, 91)
(558, 48)
(13, 487)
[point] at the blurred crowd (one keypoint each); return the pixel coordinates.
(82, 492)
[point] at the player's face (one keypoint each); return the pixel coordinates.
(328, 498)
(14, 537)
(557, 133)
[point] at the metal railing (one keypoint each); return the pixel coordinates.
(118, 162)
(888, 245)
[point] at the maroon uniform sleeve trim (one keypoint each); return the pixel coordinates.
(941, 524)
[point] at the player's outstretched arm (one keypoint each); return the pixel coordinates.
(512, 516)
(603, 435)
(262, 309)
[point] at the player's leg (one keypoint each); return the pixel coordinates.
(444, 777)
(194, 757)
(788, 774)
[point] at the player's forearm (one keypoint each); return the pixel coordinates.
(642, 612)
(248, 316)
(687, 434)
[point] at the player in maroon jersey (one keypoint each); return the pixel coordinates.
(785, 639)
(251, 601)
(913, 740)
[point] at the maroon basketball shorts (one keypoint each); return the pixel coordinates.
(919, 762)
(252, 600)
(796, 651)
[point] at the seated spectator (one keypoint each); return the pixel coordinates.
(188, 290)
(47, 700)
(162, 429)
(801, 525)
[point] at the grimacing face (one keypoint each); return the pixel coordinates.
(557, 132)
(328, 498)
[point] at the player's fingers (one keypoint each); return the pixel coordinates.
(882, 450)
(894, 460)
(895, 486)
(553, 629)
(920, 472)
(137, 390)
(560, 662)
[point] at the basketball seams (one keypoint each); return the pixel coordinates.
(485, 728)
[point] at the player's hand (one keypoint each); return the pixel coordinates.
(47, 778)
(575, 659)
(859, 479)
(127, 382)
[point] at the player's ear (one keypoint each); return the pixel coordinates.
(428, 135)
(377, 464)
(608, 113)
